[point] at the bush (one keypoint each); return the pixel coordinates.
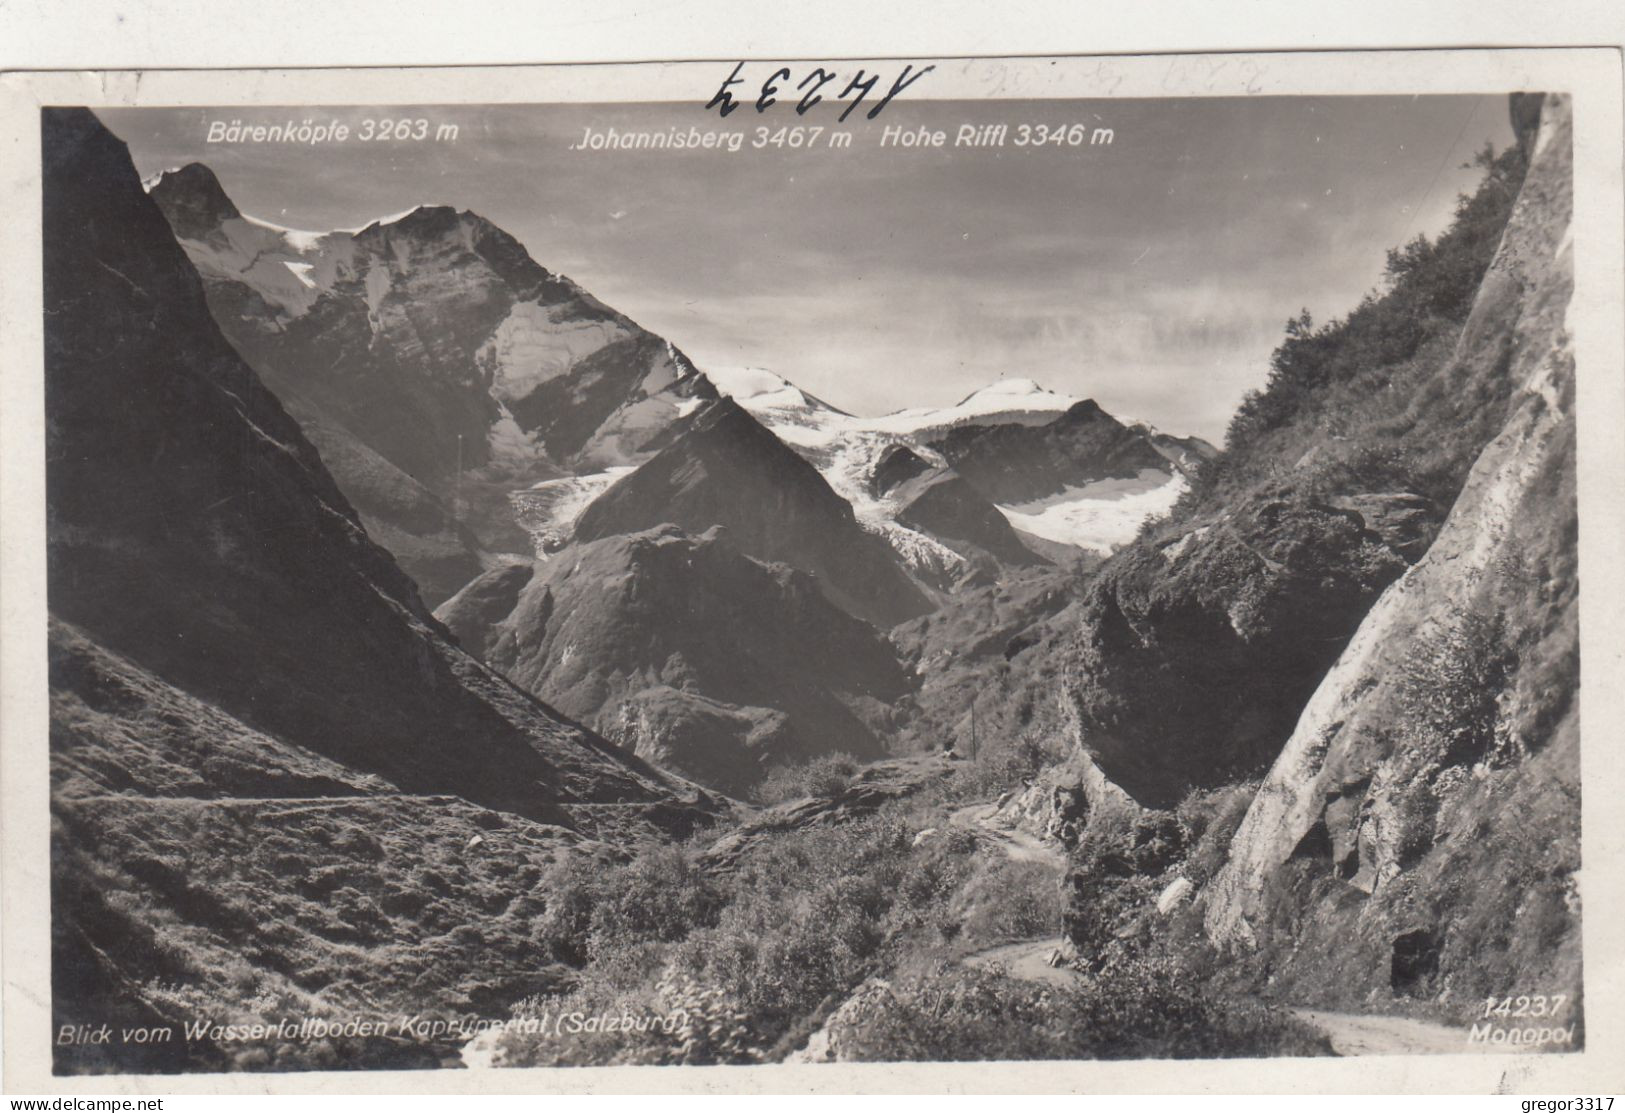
(1143, 1010)
(826, 775)
(1009, 900)
(1451, 685)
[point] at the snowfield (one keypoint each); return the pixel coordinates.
(1100, 516)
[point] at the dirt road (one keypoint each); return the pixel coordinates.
(1016, 843)
(1366, 1034)
(1027, 960)
(1350, 1033)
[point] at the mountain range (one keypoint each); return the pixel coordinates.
(441, 366)
(485, 415)
(472, 403)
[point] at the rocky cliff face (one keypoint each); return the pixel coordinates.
(692, 655)
(1198, 646)
(725, 469)
(433, 341)
(230, 649)
(1419, 831)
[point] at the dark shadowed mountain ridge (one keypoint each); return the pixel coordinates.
(725, 469)
(193, 529)
(1017, 463)
(680, 648)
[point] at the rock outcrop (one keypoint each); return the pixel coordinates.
(898, 463)
(1187, 454)
(1419, 831)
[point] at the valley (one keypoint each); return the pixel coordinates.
(429, 636)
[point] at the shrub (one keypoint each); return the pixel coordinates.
(1010, 900)
(826, 775)
(1449, 690)
(1211, 818)
(659, 897)
(593, 909)
(1147, 1009)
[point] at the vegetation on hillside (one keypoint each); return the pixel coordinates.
(755, 959)
(1362, 392)
(1196, 647)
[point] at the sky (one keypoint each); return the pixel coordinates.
(1154, 273)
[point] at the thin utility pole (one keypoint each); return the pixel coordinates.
(457, 488)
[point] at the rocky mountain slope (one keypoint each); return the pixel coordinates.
(725, 469)
(688, 653)
(1318, 732)
(1419, 830)
(1014, 463)
(232, 655)
(434, 341)
(1199, 644)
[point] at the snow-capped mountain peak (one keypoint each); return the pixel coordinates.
(1006, 401)
(846, 449)
(756, 388)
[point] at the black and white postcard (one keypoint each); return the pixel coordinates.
(1077, 564)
